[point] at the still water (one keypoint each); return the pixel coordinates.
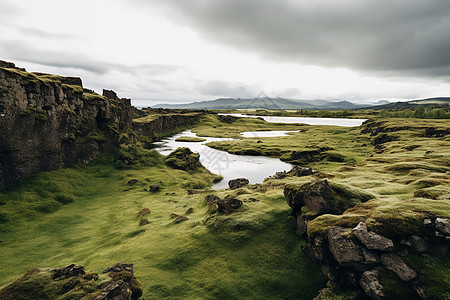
(254, 168)
(304, 120)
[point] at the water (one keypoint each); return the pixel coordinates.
(254, 168)
(304, 120)
(230, 166)
(273, 133)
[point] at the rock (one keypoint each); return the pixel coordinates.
(395, 264)
(419, 244)
(192, 191)
(72, 282)
(370, 258)
(46, 123)
(143, 212)
(154, 188)
(180, 219)
(372, 240)
(344, 249)
(184, 159)
(441, 250)
(69, 271)
(211, 201)
(189, 211)
(371, 285)
(301, 171)
(228, 205)
(133, 181)
(237, 183)
(302, 225)
(143, 222)
(443, 225)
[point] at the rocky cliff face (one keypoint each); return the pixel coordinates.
(49, 121)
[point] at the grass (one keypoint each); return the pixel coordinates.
(190, 139)
(87, 215)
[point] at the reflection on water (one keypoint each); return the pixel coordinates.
(304, 120)
(230, 166)
(273, 133)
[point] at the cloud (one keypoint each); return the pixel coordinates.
(26, 52)
(34, 32)
(402, 36)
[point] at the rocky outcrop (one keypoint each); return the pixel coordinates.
(184, 159)
(295, 171)
(319, 197)
(72, 282)
(353, 256)
(237, 183)
(226, 206)
(49, 121)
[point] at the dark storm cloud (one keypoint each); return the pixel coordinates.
(375, 35)
(25, 52)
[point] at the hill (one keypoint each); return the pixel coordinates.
(264, 103)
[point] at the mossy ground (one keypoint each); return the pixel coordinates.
(99, 227)
(251, 254)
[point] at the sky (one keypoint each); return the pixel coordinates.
(176, 51)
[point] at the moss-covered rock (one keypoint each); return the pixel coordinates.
(184, 159)
(72, 282)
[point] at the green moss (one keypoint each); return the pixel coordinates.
(75, 88)
(190, 139)
(92, 97)
(98, 137)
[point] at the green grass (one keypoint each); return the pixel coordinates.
(87, 215)
(190, 139)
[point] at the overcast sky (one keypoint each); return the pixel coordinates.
(173, 51)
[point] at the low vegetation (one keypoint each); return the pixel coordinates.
(90, 214)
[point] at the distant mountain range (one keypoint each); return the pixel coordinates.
(282, 103)
(414, 103)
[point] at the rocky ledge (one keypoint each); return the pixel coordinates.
(72, 282)
(354, 257)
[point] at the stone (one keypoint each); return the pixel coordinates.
(228, 205)
(419, 244)
(371, 239)
(143, 212)
(69, 271)
(370, 258)
(302, 225)
(184, 159)
(443, 225)
(394, 263)
(180, 219)
(143, 222)
(72, 282)
(371, 285)
(237, 183)
(133, 181)
(154, 188)
(189, 211)
(344, 249)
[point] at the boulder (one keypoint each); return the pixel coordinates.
(371, 239)
(180, 219)
(143, 222)
(237, 183)
(133, 181)
(344, 249)
(154, 188)
(72, 282)
(143, 212)
(394, 263)
(419, 244)
(228, 205)
(371, 285)
(443, 225)
(184, 159)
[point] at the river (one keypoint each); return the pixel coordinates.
(254, 168)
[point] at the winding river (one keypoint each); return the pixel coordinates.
(232, 166)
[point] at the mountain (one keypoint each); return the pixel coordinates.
(414, 103)
(263, 103)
